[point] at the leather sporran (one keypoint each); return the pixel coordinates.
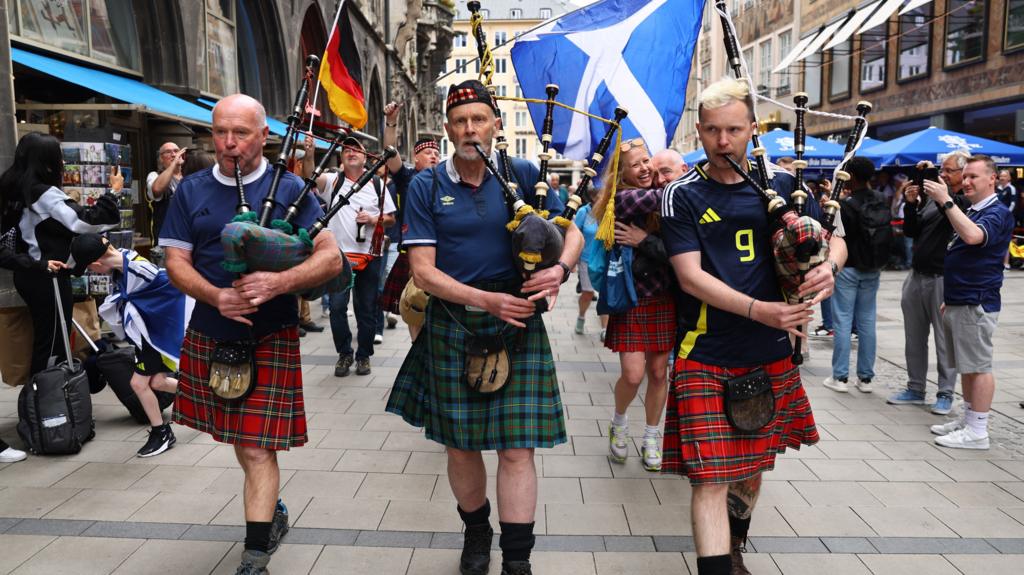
(749, 401)
(488, 368)
(233, 369)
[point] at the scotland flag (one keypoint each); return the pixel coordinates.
(630, 53)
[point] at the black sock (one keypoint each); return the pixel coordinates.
(479, 518)
(257, 535)
(714, 565)
(739, 527)
(516, 541)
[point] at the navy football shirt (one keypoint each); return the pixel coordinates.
(729, 225)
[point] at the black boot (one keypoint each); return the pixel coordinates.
(738, 530)
(476, 543)
(516, 543)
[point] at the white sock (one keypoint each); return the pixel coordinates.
(651, 431)
(967, 409)
(620, 419)
(977, 421)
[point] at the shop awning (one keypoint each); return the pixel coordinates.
(146, 97)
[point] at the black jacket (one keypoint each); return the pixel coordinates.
(931, 231)
(53, 220)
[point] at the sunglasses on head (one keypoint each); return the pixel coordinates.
(630, 144)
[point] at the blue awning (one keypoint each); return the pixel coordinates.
(147, 97)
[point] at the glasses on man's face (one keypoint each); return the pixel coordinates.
(951, 170)
(630, 144)
(169, 152)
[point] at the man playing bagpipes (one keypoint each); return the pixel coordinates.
(735, 324)
(354, 227)
(248, 325)
(455, 216)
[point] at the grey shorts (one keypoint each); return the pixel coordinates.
(968, 331)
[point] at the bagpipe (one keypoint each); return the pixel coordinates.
(537, 237)
(799, 242)
(253, 242)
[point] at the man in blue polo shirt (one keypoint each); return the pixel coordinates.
(461, 254)
(973, 278)
(718, 236)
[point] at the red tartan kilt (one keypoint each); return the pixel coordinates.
(395, 283)
(271, 417)
(701, 444)
(650, 326)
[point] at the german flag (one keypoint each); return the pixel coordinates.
(341, 73)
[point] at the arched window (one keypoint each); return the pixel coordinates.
(100, 30)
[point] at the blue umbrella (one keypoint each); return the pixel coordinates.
(779, 143)
(931, 143)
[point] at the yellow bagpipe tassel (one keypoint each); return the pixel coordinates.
(544, 214)
(530, 258)
(606, 229)
(1015, 250)
(561, 222)
(524, 211)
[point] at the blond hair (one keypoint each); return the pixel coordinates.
(725, 92)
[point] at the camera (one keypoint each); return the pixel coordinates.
(928, 172)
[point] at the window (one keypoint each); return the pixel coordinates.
(460, 65)
(444, 147)
(812, 79)
(764, 76)
(545, 13)
(99, 30)
(221, 67)
(748, 57)
(519, 91)
(460, 40)
(485, 13)
(839, 79)
(476, 64)
(1014, 37)
(873, 48)
(965, 31)
(705, 74)
(501, 65)
(707, 16)
(501, 90)
(515, 13)
(521, 147)
(914, 43)
(521, 120)
(785, 45)
(500, 38)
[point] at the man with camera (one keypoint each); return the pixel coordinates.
(923, 289)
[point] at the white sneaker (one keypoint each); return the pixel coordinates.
(378, 339)
(618, 442)
(864, 386)
(651, 453)
(964, 438)
(836, 385)
(10, 455)
(948, 427)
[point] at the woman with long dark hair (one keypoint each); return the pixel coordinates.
(46, 219)
(644, 335)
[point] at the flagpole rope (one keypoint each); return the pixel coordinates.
(560, 105)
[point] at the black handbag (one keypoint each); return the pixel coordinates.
(749, 401)
(233, 369)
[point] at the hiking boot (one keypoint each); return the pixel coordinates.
(253, 563)
(278, 526)
(341, 368)
(363, 366)
(738, 548)
(476, 551)
(618, 442)
(160, 440)
(516, 568)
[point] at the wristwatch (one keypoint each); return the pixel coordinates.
(835, 268)
(946, 206)
(565, 276)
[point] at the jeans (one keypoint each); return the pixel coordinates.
(826, 313)
(391, 256)
(364, 295)
(854, 302)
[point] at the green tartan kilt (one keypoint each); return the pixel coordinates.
(431, 392)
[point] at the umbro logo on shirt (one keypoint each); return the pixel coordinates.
(204, 212)
(709, 217)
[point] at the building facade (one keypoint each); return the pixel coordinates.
(953, 64)
(503, 22)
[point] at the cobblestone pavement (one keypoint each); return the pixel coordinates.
(368, 493)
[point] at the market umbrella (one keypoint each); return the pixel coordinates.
(931, 143)
(779, 143)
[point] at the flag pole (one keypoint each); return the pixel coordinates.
(316, 90)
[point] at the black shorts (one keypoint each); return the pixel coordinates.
(148, 361)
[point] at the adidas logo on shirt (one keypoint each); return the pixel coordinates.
(709, 217)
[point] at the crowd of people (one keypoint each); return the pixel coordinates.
(709, 331)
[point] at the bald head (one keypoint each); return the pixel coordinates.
(670, 166)
(239, 133)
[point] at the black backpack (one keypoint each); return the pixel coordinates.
(54, 407)
(874, 223)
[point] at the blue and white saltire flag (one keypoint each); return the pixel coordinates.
(630, 53)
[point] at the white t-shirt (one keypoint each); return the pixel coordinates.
(343, 224)
(150, 178)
